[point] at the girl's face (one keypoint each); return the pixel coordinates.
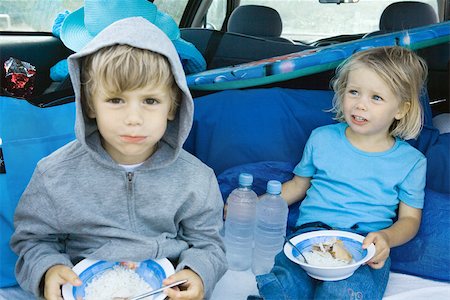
(132, 123)
(369, 105)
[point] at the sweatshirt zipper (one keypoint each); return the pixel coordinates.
(131, 203)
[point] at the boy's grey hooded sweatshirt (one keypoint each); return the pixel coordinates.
(81, 204)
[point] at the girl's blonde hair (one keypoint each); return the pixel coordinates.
(403, 71)
(119, 68)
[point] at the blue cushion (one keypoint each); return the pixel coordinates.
(243, 126)
(438, 164)
(428, 255)
(28, 133)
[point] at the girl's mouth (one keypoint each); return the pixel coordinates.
(358, 120)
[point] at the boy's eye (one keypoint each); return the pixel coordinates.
(115, 100)
(150, 101)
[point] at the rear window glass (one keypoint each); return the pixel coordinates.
(309, 20)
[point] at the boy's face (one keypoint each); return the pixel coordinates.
(132, 123)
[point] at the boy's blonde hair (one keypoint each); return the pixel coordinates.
(403, 71)
(121, 68)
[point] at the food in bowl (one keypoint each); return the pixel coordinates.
(329, 253)
(120, 281)
(352, 242)
(108, 279)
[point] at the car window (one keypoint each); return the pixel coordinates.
(175, 8)
(33, 15)
(216, 14)
(309, 20)
(39, 15)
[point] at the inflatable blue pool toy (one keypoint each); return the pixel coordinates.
(312, 61)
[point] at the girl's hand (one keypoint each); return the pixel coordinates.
(57, 276)
(381, 242)
(192, 289)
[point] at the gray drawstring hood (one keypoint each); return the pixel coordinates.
(81, 204)
(131, 32)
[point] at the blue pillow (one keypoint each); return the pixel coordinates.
(236, 127)
(427, 254)
(28, 133)
(438, 164)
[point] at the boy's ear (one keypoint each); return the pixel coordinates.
(403, 110)
(171, 115)
(172, 112)
(90, 113)
(87, 109)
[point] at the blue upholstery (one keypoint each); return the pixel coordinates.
(243, 126)
(28, 133)
(438, 164)
(428, 255)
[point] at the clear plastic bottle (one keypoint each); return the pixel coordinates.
(271, 220)
(240, 224)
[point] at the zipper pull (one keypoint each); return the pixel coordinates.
(130, 176)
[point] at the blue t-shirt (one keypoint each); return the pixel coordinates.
(352, 187)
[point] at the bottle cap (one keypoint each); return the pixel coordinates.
(274, 187)
(245, 179)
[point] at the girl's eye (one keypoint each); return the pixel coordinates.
(377, 98)
(115, 100)
(353, 92)
(150, 101)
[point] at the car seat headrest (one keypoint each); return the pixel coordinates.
(255, 20)
(406, 15)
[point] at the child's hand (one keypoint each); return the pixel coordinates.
(381, 242)
(55, 277)
(192, 289)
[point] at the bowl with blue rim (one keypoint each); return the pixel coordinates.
(325, 266)
(149, 273)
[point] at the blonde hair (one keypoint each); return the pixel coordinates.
(121, 68)
(403, 71)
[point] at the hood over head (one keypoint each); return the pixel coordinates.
(140, 33)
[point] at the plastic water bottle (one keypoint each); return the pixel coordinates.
(240, 224)
(270, 227)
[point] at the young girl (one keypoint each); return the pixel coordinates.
(356, 175)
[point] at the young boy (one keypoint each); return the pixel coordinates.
(125, 190)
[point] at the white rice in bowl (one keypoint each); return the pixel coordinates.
(323, 259)
(331, 253)
(116, 282)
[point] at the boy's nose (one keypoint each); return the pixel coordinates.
(133, 116)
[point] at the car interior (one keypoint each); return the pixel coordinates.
(285, 111)
(243, 42)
